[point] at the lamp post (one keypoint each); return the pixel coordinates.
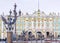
(15, 12)
(9, 22)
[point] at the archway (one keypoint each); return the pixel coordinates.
(47, 34)
(38, 32)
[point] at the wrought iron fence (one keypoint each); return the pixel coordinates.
(30, 38)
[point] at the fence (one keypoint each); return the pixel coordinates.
(43, 41)
(31, 39)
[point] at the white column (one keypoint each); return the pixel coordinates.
(27, 24)
(40, 24)
(2, 31)
(45, 25)
(37, 25)
(50, 25)
(32, 24)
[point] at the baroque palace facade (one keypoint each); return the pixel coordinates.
(38, 21)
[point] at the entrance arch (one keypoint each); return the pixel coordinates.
(39, 32)
(47, 34)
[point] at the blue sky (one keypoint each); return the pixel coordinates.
(30, 6)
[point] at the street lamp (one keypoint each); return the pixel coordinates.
(16, 14)
(9, 22)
